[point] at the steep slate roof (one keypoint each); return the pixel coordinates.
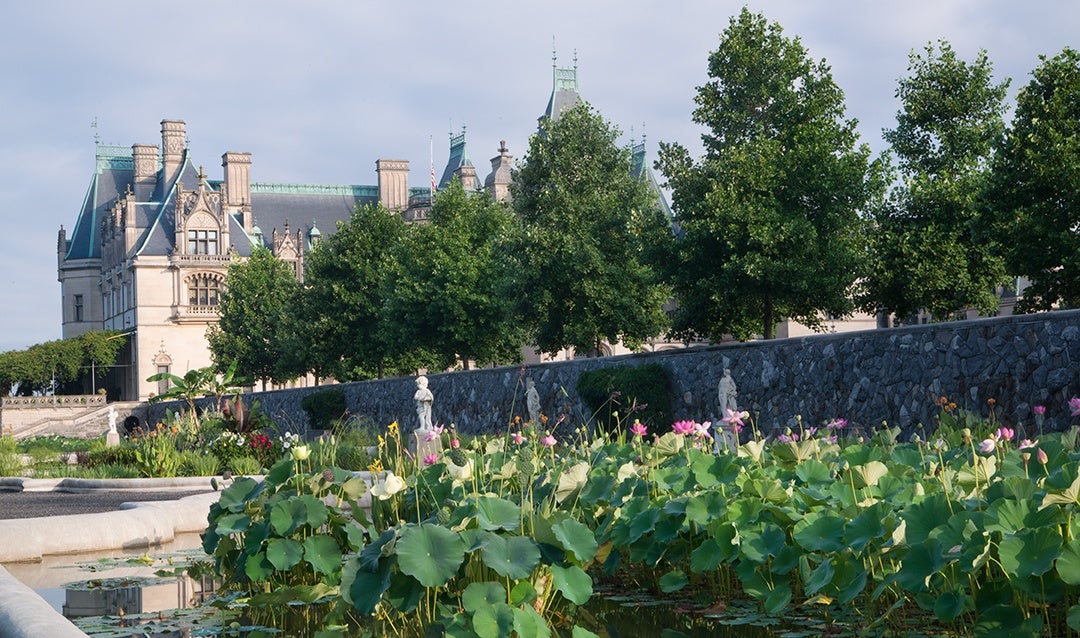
(113, 172)
(639, 167)
(301, 205)
(459, 157)
(159, 236)
(564, 92)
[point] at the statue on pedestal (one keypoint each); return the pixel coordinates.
(424, 399)
(112, 420)
(532, 400)
(727, 392)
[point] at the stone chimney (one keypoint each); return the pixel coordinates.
(238, 186)
(146, 159)
(497, 183)
(393, 183)
(172, 144)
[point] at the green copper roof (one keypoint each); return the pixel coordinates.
(114, 158)
(315, 189)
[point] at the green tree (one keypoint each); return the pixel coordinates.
(770, 215)
(258, 295)
(581, 275)
(64, 361)
(1037, 186)
(929, 247)
(448, 298)
(346, 331)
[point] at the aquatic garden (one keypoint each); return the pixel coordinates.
(967, 527)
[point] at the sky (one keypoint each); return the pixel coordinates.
(318, 91)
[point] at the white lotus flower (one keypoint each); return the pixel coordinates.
(387, 487)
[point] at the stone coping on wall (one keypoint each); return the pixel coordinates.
(870, 377)
(53, 401)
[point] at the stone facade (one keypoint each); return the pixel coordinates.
(869, 378)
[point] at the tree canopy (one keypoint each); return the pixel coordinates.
(448, 298)
(64, 361)
(253, 306)
(1037, 186)
(770, 215)
(929, 250)
(581, 274)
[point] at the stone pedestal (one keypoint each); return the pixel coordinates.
(422, 448)
(112, 439)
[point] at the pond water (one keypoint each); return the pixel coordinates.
(94, 588)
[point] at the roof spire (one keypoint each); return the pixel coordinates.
(554, 58)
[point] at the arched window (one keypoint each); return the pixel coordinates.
(203, 289)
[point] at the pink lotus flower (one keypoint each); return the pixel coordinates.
(1026, 443)
(1074, 406)
(519, 438)
(548, 441)
(683, 427)
(638, 429)
(1005, 434)
(735, 419)
(701, 430)
(1039, 410)
(431, 459)
(836, 424)
(454, 443)
(788, 438)
(1042, 456)
(987, 446)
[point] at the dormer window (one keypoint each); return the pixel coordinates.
(202, 242)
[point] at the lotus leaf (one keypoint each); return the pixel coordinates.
(232, 524)
(405, 592)
(243, 490)
(571, 480)
(673, 581)
(284, 553)
(494, 513)
(529, 624)
(577, 538)
(429, 553)
(323, 553)
(572, 582)
(820, 531)
(706, 507)
(819, 577)
(494, 621)
(512, 557)
(482, 594)
(1029, 552)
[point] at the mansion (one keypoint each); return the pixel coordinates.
(155, 235)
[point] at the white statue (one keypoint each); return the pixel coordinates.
(728, 392)
(424, 399)
(532, 400)
(112, 420)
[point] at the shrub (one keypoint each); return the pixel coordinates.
(246, 466)
(622, 394)
(124, 455)
(324, 408)
(196, 464)
(352, 457)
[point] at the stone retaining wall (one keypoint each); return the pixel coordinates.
(868, 377)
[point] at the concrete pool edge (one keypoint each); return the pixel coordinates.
(23, 614)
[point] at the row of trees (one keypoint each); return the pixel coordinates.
(785, 215)
(50, 366)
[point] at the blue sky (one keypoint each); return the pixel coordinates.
(317, 91)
